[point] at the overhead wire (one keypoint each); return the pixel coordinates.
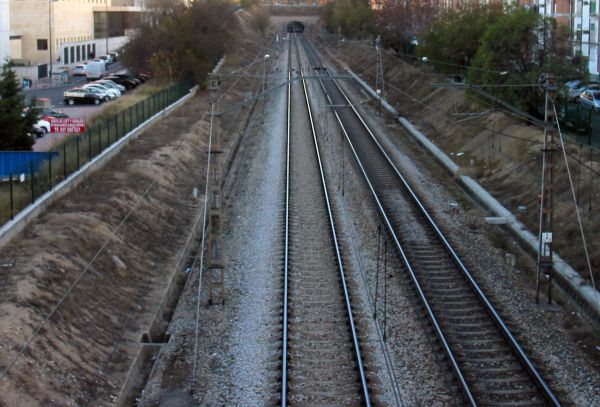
(444, 115)
(565, 153)
(74, 284)
(581, 231)
(201, 249)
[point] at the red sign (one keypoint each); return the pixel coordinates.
(67, 125)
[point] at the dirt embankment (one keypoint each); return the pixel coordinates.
(500, 151)
(117, 236)
(111, 244)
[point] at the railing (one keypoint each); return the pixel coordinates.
(19, 190)
(581, 121)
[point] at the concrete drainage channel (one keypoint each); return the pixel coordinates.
(152, 341)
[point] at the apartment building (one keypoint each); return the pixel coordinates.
(49, 34)
(585, 32)
(4, 31)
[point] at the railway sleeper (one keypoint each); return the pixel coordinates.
(516, 403)
(524, 392)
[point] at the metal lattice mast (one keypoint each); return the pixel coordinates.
(379, 74)
(215, 261)
(545, 252)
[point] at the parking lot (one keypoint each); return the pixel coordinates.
(50, 140)
(54, 96)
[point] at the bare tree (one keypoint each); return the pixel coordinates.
(399, 22)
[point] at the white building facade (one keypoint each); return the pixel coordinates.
(50, 35)
(581, 17)
(585, 32)
(4, 30)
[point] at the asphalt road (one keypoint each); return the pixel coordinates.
(55, 94)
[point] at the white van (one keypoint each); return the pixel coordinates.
(95, 70)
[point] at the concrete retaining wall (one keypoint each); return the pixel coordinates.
(23, 218)
(570, 277)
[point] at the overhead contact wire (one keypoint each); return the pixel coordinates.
(201, 249)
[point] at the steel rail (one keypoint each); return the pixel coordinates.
(287, 229)
(358, 356)
(520, 353)
(406, 262)
(365, 392)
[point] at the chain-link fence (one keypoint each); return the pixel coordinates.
(23, 188)
(581, 121)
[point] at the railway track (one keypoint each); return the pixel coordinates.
(488, 364)
(321, 359)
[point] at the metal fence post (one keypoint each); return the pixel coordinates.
(107, 132)
(31, 181)
(12, 205)
(65, 160)
(50, 168)
(130, 118)
(89, 133)
(77, 144)
(99, 127)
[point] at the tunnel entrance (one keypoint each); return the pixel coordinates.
(295, 27)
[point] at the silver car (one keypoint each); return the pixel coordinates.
(111, 84)
(575, 90)
(590, 98)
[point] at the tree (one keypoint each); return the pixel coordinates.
(14, 124)
(354, 17)
(455, 37)
(515, 51)
(248, 4)
(182, 40)
(398, 22)
(260, 20)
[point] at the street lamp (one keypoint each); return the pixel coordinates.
(50, 35)
(267, 56)
(106, 16)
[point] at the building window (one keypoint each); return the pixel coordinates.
(72, 54)
(66, 55)
(78, 53)
(42, 45)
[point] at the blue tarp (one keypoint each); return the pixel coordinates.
(19, 162)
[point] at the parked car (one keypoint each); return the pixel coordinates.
(575, 88)
(40, 128)
(44, 112)
(590, 98)
(126, 74)
(95, 70)
(112, 93)
(114, 55)
(79, 70)
(107, 59)
(111, 84)
(145, 76)
(129, 84)
(80, 95)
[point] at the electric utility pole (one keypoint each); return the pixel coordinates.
(545, 261)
